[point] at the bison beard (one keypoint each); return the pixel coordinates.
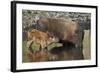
(68, 31)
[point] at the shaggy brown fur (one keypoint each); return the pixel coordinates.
(64, 29)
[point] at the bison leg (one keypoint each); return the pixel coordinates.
(30, 47)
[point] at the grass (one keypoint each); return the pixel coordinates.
(24, 52)
(35, 47)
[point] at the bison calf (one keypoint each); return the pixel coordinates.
(42, 38)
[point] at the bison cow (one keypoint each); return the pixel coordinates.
(65, 29)
(68, 31)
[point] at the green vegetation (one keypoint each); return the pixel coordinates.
(24, 52)
(35, 47)
(51, 46)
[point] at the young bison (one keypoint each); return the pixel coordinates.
(64, 29)
(42, 38)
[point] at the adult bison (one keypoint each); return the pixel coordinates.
(68, 31)
(65, 29)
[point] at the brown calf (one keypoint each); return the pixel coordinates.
(42, 38)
